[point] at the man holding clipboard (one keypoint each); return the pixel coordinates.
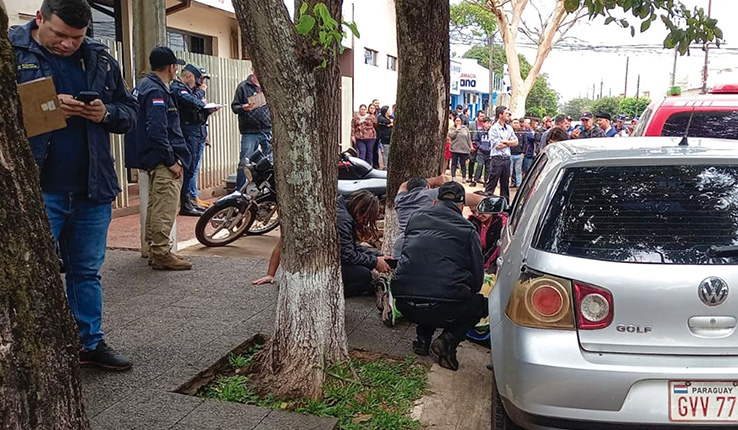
(78, 177)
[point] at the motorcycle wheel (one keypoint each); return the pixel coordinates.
(223, 224)
(267, 216)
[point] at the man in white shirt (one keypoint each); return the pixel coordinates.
(501, 138)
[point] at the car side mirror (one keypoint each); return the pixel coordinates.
(493, 205)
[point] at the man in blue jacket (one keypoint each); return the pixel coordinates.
(160, 149)
(78, 177)
(193, 116)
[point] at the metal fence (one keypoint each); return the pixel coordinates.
(221, 157)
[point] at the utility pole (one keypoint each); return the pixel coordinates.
(673, 71)
(638, 86)
(707, 51)
(594, 94)
(491, 73)
(627, 63)
(601, 84)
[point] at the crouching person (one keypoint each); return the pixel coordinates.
(439, 275)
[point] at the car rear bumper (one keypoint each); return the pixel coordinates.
(544, 373)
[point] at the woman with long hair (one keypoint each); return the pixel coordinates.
(356, 221)
(364, 134)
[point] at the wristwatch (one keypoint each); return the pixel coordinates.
(106, 118)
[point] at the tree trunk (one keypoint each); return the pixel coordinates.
(423, 95)
(304, 102)
(39, 377)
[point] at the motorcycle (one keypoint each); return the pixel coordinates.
(253, 210)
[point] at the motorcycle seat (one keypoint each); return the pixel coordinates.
(376, 186)
(377, 174)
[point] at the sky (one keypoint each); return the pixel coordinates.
(572, 71)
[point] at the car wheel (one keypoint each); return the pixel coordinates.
(500, 419)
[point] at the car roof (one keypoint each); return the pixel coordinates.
(662, 150)
(706, 100)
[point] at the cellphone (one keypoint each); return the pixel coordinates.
(391, 262)
(87, 97)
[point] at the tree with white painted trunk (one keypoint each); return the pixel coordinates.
(301, 84)
(422, 100)
(551, 27)
(39, 377)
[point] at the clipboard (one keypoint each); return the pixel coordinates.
(41, 108)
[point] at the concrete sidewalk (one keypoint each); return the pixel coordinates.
(175, 324)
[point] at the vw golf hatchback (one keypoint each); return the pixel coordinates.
(616, 299)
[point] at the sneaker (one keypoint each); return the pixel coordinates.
(105, 357)
(177, 256)
(446, 354)
(388, 309)
(472, 184)
(169, 261)
(421, 347)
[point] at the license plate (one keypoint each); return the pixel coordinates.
(703, 401)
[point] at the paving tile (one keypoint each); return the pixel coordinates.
(217, 415)
(281, 420)
(146, 409)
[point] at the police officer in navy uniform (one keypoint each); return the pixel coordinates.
(193, 116)
(158, 146)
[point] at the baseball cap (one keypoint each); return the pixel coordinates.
(604, 115)
(163, 56)
(569, 118)
(452, 192)
(198, 72)
(586, 115)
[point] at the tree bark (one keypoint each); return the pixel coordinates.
(421, 120)
(304, 100)
(39, 376)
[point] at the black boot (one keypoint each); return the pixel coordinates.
(188, 208)
(445, 351)
(421, 346)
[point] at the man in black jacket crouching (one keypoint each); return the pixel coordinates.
(439, 276)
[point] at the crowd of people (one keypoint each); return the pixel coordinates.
(502, 149)
(371, 131)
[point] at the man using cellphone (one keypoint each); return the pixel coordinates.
(78, 178)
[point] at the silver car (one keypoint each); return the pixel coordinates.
(613, 305)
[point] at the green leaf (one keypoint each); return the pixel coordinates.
(669, 42)
(303, 8)
(645, 25)
(609, 19)
(354, 29)
(571, 5)
(324, 63)
(305, 24)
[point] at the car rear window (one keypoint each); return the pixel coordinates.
(646, 214)
(723, 125)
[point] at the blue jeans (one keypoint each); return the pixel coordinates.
(197, 162)
(81, 229)
(527, 162)
(250, 142)
(516, 169)
(366, 149)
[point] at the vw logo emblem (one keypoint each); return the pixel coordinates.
(713, 291)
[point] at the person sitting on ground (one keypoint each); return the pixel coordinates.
(356, 222)
(439, 276)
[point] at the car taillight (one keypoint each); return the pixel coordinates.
(541, 301)
(594, 307)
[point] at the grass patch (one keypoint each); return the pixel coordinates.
(362, 394)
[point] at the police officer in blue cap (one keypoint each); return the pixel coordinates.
(193, 116)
